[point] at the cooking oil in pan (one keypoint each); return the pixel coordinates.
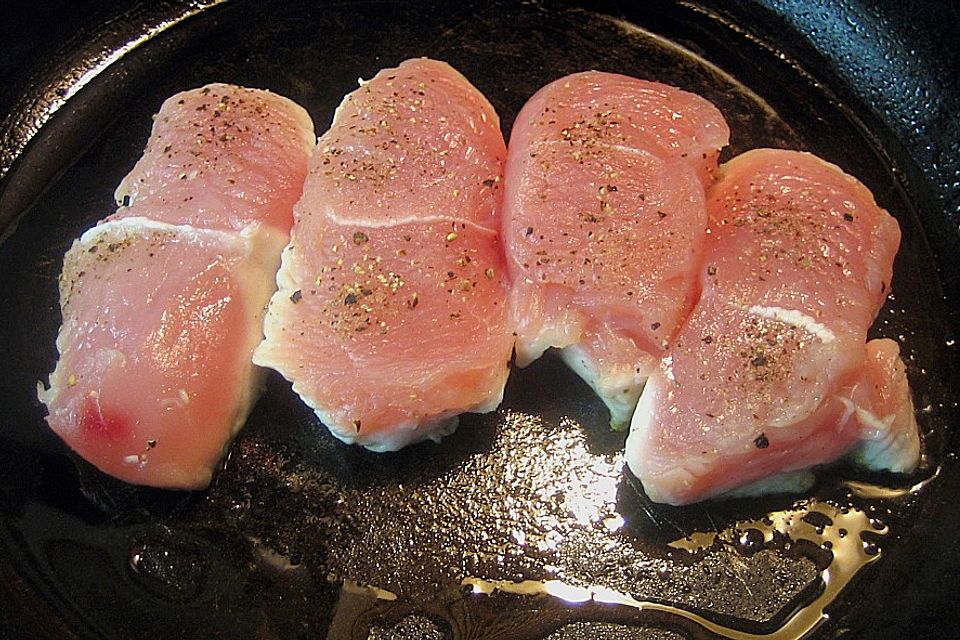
(525, 527)
(844, 533)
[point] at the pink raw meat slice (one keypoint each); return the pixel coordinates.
(163, 302)
(159, 322)
(221, 157)
(770, 376)
(391, 315)
(604, 220)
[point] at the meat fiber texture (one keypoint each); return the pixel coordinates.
(604, 223)
(390, 319)
(772, 374)
(163, 301)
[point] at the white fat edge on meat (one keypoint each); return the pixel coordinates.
(787, 482)
(619, 390)
(529, 351)
(260, 244)
(400, 434)
(375, 223)
(286, 284)
(124, 227)
(561, 335)
(795, 318)
(888, 443)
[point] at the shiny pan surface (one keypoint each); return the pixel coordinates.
(523, 524)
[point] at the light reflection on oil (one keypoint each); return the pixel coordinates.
(875, 492)
(355, 588)
(838, 530)
(591, 493)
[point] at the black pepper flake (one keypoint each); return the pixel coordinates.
(761, 441)
(712, 270)
(489, 182)
(655, 326)
(296, 296)
(848, 217)
(760, 360)
(351, 298)
(707, 339)
(662, 214)
(529, 231)
(151, 444)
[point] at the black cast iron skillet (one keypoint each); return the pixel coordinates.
(302, 537)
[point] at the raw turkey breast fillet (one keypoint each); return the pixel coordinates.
(604, 222)
(773, 374)
(163, 302)
(390, 319)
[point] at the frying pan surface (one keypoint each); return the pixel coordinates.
(523, 524)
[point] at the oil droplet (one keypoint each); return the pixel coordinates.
(750, 541)
(168, 569)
